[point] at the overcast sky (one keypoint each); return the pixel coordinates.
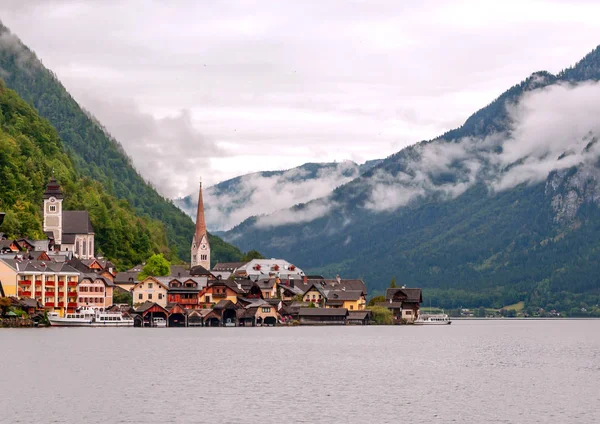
(215, 89)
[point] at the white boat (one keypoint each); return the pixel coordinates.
(433, 319)
(159, 322)
(88, 317)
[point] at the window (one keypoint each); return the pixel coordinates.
(149, 285)
(149, 296)
(408, 312)
(140, 296)
(52, 208)
(267, 295)
(160, 295)
(351, 307)
(84, 249)
(266, 309)
(207, 299)
(194, 258)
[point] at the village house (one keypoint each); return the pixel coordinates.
(404, 303)
(337, 293)
(218, 290)
(260, 269)
(186, 291)
(151, 289)
(126, 280)
(95, 291)
(52, 284)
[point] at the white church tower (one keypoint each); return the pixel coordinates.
(200, 244)
(53, 211)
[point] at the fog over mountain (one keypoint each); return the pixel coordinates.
(501, 209)
(231, 202)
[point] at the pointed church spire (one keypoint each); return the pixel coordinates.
(200, 245)
(200, 222)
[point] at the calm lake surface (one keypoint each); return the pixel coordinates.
(504, 371)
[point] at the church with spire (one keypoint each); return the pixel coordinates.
(69, 231)
(200, 243)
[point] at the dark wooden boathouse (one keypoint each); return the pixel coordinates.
(323, 316)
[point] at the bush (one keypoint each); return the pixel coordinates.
(381, 316)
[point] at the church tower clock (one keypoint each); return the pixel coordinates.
(53, 198)
(200, 244)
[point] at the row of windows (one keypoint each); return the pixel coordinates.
(141, 296)
(91, 300)
(91, 289)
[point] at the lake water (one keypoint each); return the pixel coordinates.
(504, 371)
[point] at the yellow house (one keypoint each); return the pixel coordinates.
(314, 294)
(150, 290)
(353, 300)
(218, 290)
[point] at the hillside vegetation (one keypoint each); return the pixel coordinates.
(96, 157)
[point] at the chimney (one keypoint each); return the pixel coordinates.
(338, 279)
(292, 283)
(305, 279)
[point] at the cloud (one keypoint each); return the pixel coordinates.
(553, 126)
(296, 215)
(25, 58)
(550, 128)
(162, 149)
(262, 194)
(362, 82)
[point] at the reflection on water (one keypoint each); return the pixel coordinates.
(472, 371)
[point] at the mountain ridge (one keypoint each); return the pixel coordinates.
(468, 209)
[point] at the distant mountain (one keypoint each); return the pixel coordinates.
(500, 210)
(231, 202)
(94, 153)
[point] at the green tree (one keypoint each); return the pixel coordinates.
(393, 283)
(4, 305)
(156, 266)
(382, 316)
(252, 254)
(481, 312)
(122, 296)
(375, 300)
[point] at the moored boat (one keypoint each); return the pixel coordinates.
(433, 319)
(159, 322)
(88, 317)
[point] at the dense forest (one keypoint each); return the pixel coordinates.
(96, 157)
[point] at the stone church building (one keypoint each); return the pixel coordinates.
(71, 231)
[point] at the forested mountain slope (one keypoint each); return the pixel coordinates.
(30, 152)
(502, 209)
(93, 152)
